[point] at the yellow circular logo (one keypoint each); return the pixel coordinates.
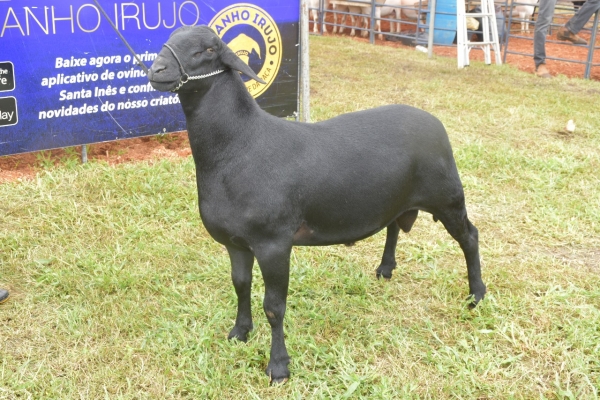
(252, 34)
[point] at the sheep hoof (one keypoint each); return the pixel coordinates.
(474, 299)
(278, 374)
(239, 333)
(385, 271)
(386, 276)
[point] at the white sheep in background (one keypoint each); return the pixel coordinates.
(414, 14)
(342, 9)
(389, 9)
(313, 6)
(379, 12)
(524, 13)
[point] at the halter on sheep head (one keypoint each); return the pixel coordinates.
(192, 54)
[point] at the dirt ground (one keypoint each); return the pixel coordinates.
(25, 166)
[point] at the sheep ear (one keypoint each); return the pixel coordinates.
(230, 59)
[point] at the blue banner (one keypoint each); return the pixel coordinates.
(67, 79)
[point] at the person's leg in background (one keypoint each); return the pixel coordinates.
(542, 23)
(577, 22)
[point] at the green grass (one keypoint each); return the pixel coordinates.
(118, 291)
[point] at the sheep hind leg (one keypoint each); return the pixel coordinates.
(342, 22)
(388, 261)
(465, 233)
(353, 21)
(366, 27)
(524, 25)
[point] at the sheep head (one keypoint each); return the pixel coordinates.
(193, 51)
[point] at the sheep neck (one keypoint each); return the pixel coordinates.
(219, 118)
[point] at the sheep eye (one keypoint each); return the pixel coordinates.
(199, 53)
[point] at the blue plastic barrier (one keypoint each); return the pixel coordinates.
(444, 30)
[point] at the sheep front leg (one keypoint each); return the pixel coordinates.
(398, 15)
(353, 21)
(522, 17)
(274, 263)
(241, 275)
(366, 23)
(315, 18)
(335, 28)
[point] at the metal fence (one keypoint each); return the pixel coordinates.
(415, 15)
(418, 17)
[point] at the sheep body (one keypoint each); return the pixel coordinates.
(266, 184)
(325, 192)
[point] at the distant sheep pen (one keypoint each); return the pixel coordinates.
(406, 22)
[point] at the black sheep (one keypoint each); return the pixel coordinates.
(266, 184)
